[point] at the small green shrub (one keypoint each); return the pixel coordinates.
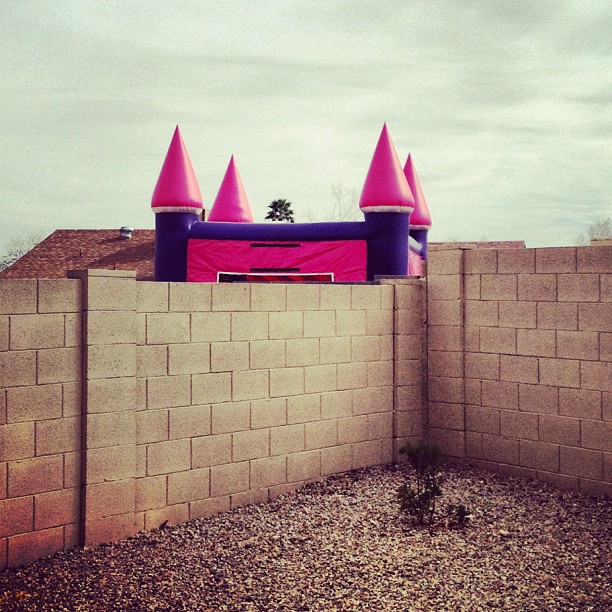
(458, 515)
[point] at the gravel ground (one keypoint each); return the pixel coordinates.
(342, 544)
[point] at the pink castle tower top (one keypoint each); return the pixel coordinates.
(386, 188)
(177, 188)
(231, 203)
(420, 217)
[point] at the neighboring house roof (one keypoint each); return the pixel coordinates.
(67, 250)
(487, 244)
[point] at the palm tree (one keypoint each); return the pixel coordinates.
(280, 210)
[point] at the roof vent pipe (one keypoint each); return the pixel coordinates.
(126, 232)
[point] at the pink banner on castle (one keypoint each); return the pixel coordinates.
(345, 259)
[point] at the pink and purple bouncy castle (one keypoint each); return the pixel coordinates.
(229, 246)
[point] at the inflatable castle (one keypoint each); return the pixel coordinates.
(228, 246)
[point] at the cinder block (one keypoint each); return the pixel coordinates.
(557, 315)
(516, 424)
(407, 322)
(482, 365)
(210, 327)
(581, 462)
(188, 486)
(595, 317)
(59, 295)
(605, 347)
(605, 289)
(319, 324)
(267, 354)
(364, 297)
(473, 445)
(596, 488)
(517, 314)
(445, 363)
(302, 352)
(500, 449)
(335, 405)
(152, 296)
(539, 398)
(594, 259)
(167, 391)
(151, 426)
(110, 498)
(498, 394)
(498, 287)
(250, 385)
(539, 455)
(111, 327)
(445, 338)
(335, 297)
(320, 378)
(596, 375)
(378, 322)
(250, 445)
(353, 429)
(303, 297)
(229, 479)
(267, 297)
(152, 360)
(141, 328)
(516, 260)
(372, 399)
(447, 312)
(286, 381)
(60, 435)
(287, 439)
(268, 413)
(386, 347)
(112, 463)
(209, 507)
(445, 262)
(4, 336)
(471, 286)
(111, 289)
(580, 403)
(559, 430)
(304, 466)
(451, 442)
(352, 375)
(189, 422)
(268, 472)
(111, 361)
(336, 460)
(230, 297)
(321, 434)
(607, 406)
(380, 373)
(18, 296)
(190, 297)
(303, 408)
(111, 395)
(189, 358)
(554, 260)
(597, 435)
(444, 287)
(409, 346)
(518, 369)
(482, 420)
(407, 424)
(366, 454)
(231, 417)
(150, 493)
(33, 403)
(167, 457)
(249, 326)
(57, 508)
(409, 398)
(228, 356)
(560, 372)
(72, 470)
(446, 416)
(211, 450)
(498, 340)
(37, 475)
(578, 287)
(168, 328)
(471, 339)
(16, 516)
(171, 515)
(36, 331)
(29, 547)
(537, 342)
(353, 322)
(285, 325)
(472, 390)
(16, 442)
(211, 388)
(480, 261)
(537, 287)
(59, 365)
(483, 314)
(444, 389)
(334, 350)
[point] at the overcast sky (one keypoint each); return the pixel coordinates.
(504, 105)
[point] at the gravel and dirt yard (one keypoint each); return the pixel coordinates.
(343, 544)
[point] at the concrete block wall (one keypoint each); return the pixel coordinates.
(520, 372)
(40, 374)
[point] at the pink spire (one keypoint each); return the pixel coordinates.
(231, 204)
(386, 188)
(420, 217)
(177, 188)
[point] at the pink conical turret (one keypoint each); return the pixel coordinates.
(386, 188)
(177, 188)
(231, 204)
(420, 217)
